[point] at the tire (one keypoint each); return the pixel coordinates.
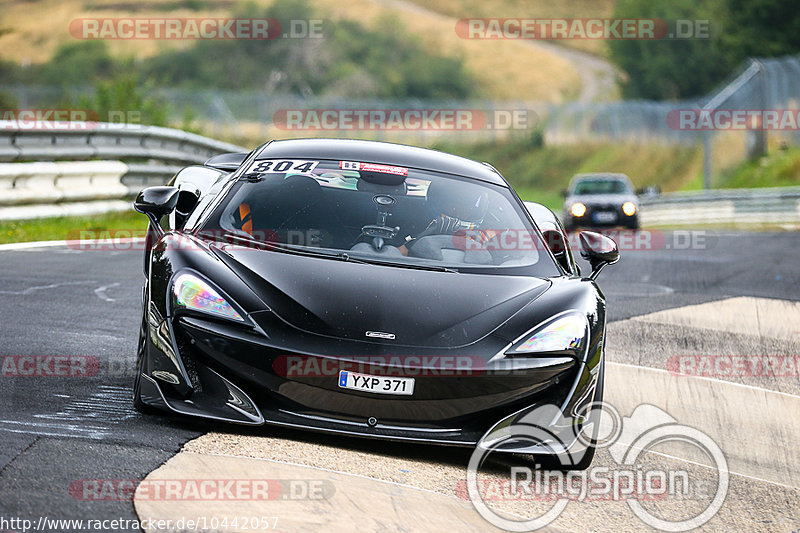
(588, 455)
(586, 460)
(138, 404)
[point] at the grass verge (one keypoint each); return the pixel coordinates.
(61, 228)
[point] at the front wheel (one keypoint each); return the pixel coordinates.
(138, 404)
(588, 455)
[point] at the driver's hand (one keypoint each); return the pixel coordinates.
(443, 225)
(446, 225)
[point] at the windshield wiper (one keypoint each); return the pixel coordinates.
(340, 256)
(416, 266)
(344, 256)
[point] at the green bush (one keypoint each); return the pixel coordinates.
(686, 68)
(349, 60)
(122, 99)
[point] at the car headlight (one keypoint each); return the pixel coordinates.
(566, 333)
(629, 208)
(192, 292)
(578, 209)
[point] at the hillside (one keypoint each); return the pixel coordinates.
(32, 30)
(530, 9)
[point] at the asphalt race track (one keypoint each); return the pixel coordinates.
(58, 430)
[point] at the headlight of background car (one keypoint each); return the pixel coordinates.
(566, 333)
(192, 292)
(578, 209)
(629, 208)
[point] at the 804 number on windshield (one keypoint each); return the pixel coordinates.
(281, 166)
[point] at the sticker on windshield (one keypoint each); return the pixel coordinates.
(281, 166)
(373, 167)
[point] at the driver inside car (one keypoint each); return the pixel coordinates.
(456, 210)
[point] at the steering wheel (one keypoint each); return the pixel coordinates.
(381, 231)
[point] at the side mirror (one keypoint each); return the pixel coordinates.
(226, 162)
(599, 250)
(155, 202)
(564, 193)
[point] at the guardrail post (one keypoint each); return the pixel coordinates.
(706, 160)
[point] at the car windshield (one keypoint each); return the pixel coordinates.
(383, 214)
(601, 186)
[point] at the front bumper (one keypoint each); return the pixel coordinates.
(602, 216)
(227, 372)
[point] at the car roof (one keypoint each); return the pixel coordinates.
(383, 153)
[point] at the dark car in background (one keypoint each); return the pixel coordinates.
(600, 200)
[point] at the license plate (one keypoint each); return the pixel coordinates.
(376, 384)
(605, 216)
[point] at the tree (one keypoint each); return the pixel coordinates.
(122, 99)
(672, 68)
(762, 28)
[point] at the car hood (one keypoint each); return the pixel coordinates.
(597, 199)
(346, 300)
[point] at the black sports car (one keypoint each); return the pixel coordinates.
(600, 200)
(369, 289)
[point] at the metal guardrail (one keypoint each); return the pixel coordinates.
(774, 205)
(741, 195)
(48, 169)
(75, 141)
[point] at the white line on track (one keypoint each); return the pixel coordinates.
(89, 244)
(28, 245)
(100, 292)
(45, 287)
